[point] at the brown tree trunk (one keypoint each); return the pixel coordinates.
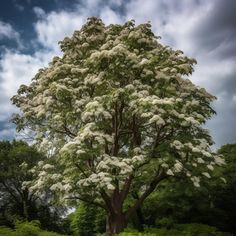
(116, 223)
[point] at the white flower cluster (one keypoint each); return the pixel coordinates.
(196, 181)
(177, 145)
(177, 168)
(100, 180)
(48, 166)
(123, 164)
(206, 175)
(94, 109)
(157, 119)
(88, 132)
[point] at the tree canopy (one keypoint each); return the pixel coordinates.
(120, 114)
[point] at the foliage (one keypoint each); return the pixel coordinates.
(83, 222)
(4, 231)
(26, 229)
(17, 159)
(224, 199)
(179, 230)
(87, 220)
(121, 116)
(100, 221)
(212, 204)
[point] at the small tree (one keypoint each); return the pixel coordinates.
(120, 115)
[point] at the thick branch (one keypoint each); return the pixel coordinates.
(115, 147)
(107, 201)
(148, 191)
(126, 188)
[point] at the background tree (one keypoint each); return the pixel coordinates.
(224, 197)
(121, 115)
(17, 158)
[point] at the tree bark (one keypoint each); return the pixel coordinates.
(116, 223)
(116, 218)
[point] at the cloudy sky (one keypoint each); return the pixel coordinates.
(205, 30)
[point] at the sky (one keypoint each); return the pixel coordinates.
(206, 30)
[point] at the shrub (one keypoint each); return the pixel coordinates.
(26, 229)
(4, 231)
(178, 230)
(199, 230)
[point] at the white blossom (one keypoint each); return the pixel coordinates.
(219, 161)
(210, 167)
(223, 179)
(196, 181)
(206, 174)
(170, 172)
(200, 160)
(178, 166)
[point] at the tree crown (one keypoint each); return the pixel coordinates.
(118, 109)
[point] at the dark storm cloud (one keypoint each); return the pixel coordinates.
(6, 129)
(217, 30)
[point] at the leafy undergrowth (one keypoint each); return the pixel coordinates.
(179, 230)
(26, 229)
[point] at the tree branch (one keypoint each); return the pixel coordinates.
(159, 177)
(107, 200)
(125, 190)
(83, 172)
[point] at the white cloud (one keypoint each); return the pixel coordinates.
(7, 31)
(17, 69)
(55, 26)
(176, 21)
(173, 20)
(110, 17)
(39, 12)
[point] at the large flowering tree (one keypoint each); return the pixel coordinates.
(118, 113)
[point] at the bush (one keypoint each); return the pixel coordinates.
(4, 231)
(26, 229)
(200, 230)
(178, 230)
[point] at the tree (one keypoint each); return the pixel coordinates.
(83, 221)
(224, 197)
(118, 111)
(17, 158)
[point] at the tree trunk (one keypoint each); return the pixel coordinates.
(116, 223)
(25, 210)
